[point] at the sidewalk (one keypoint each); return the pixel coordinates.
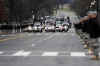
(5, 35)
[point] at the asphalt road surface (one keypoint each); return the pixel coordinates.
(44, 49)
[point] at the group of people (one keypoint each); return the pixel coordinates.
(89, 31)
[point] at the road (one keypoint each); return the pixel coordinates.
(44, 49)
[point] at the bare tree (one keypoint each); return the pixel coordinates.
(82, 6)
(20, 9)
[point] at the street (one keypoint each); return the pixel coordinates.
(42, 33)
(44, 49)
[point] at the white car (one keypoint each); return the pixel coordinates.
(61, 28)
(37, 27)
(28, 29)
(50, 28)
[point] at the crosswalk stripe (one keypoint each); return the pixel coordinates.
(18, 53)
(21, 53)
(43, 53)
(81, 54)
(1, 52)
(99, 54)
(50, 54)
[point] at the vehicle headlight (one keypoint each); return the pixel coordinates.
(40, 27)
(35, 27)
(65, 27)
(52, 27)
(29, 28)
(49, 27)
(46, 28)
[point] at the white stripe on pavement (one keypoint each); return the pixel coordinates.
(33, 45)
(99, 53)
(1, 52)
(49, 37)
(50, 54)
(22, 53)
(81, 54)
(18, 53)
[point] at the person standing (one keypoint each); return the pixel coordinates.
(91, 27)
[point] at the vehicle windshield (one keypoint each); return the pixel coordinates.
(37, 24)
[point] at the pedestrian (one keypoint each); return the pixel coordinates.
(91, 27)
(68, 20)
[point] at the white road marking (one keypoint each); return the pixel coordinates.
(33, 45)
(49, 37)
(21, 53)
(18, 53)
(50, 54)
(1, 52)
(99, 53)
(81, 54)
(4, 35)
